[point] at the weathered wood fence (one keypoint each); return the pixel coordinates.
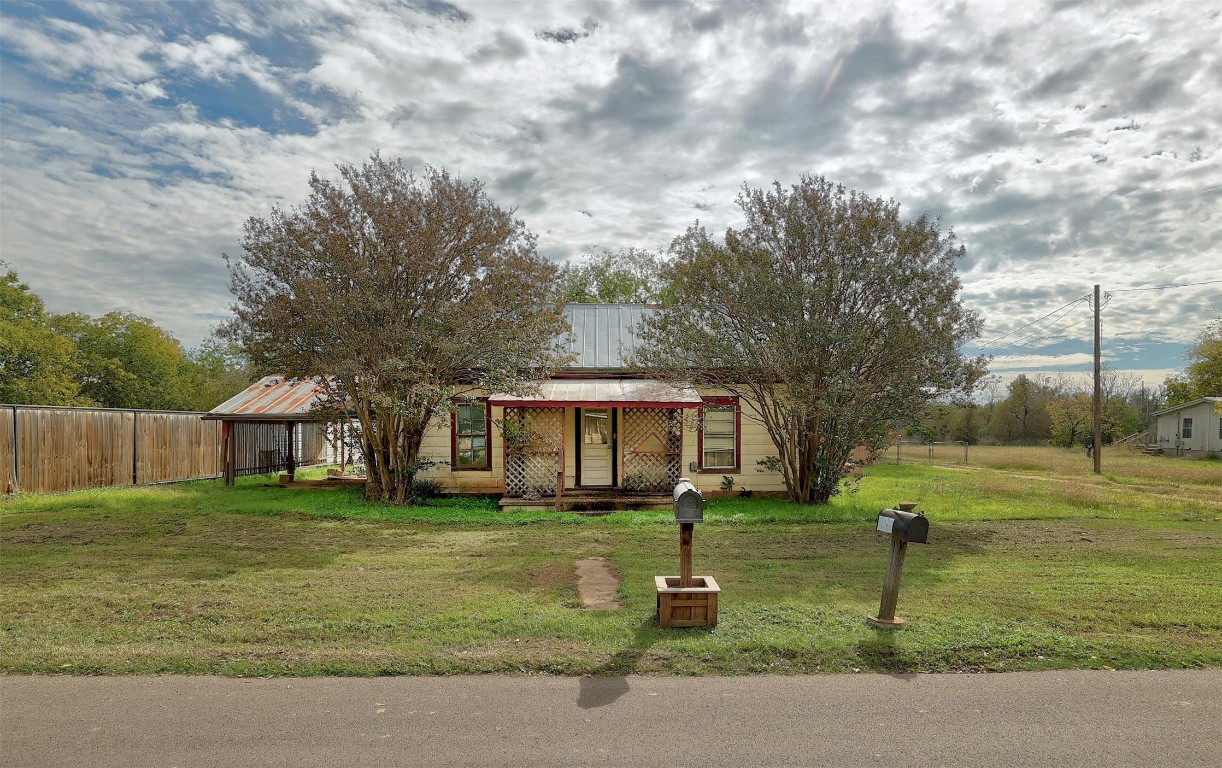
(48, 449)
(59, 449)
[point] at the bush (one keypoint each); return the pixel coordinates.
(423, 489)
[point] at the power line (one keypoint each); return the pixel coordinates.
(1015, 346)
(1164, 287)
(985, 345)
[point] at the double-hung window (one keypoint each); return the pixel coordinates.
(1186, 429)
(469, 436)
(720, 439)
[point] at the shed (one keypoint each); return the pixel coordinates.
(1191, 429)
(271, 426)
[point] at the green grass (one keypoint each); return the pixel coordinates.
(1032, 564)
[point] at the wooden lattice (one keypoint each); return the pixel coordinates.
(534, 439)
(653, 448)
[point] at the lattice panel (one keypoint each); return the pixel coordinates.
(653, 448)
(534, 438)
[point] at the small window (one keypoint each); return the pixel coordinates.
(719, 427)
(1186, 429)
(470, 437)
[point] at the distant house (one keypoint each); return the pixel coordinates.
(600, 428)
(1191, 429)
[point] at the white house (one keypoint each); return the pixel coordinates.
(1191, 429)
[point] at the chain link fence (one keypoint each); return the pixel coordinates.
(922, 452)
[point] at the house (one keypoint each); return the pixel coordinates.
(1191, 429)
(599, 429)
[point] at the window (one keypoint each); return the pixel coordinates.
(720, 425)
(1186, 429)
(1220, 429)
(469, 428)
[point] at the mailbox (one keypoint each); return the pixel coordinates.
(689, 502)
(904, 525)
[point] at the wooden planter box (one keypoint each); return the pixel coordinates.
(694, 606)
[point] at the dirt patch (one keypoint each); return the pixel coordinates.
(598, 584)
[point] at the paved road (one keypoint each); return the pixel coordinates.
(1062, 719)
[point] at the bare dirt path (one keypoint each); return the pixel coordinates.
(598, 584)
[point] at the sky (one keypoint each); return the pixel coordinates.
(1066, 143)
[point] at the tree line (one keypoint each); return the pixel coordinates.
(1059, 410)
(118, 360)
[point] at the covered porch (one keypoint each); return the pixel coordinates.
(594, 444)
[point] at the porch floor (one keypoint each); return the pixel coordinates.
(593, 501)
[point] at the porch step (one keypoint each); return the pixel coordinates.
(588, 502)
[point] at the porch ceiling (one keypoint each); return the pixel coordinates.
(604, 393)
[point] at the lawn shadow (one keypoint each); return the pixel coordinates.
(880, 653)
(608, 682)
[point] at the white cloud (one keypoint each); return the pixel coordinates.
(617, 126)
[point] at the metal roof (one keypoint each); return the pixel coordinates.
(604, 336)
(272, 398)
(604, 393)
(1182, 406)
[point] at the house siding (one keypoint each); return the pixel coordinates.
(1206, 423)
(755, 444)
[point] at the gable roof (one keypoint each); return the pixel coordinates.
(1182, 406)
(603, 336)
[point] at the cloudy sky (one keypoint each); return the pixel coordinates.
(1066, 143)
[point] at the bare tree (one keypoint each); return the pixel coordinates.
(830, 316)
(401, 293)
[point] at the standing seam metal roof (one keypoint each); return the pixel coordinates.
(604, 336)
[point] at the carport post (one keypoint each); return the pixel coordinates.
(292, 468)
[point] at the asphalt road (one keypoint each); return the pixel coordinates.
(1062, 719)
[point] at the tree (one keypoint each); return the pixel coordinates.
(1023, 415)
(1203, 376)
(1071, 417)
(37, 365)
(628, 275)
(400, 293)
(214, 372)
(127, 361)
(827, 314)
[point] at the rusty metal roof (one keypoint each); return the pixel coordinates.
(604, 336)
(272, 398)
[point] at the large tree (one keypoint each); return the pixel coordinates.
(627, 275)
(402, 292)
(38, 365)
(127, 361)
(830, 315)
(1203, 376)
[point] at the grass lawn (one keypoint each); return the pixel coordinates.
(1033, 563)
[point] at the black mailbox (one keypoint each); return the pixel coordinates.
(689, 502)
(904, 525)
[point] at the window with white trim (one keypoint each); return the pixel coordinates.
(1186, 428)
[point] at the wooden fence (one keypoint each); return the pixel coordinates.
(59, 449)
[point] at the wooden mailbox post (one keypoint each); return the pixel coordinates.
(686, 600)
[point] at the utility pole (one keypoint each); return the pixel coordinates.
(1096, 449)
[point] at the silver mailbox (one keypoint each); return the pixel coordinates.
(689, 502)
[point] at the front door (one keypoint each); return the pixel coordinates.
(596, 446)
